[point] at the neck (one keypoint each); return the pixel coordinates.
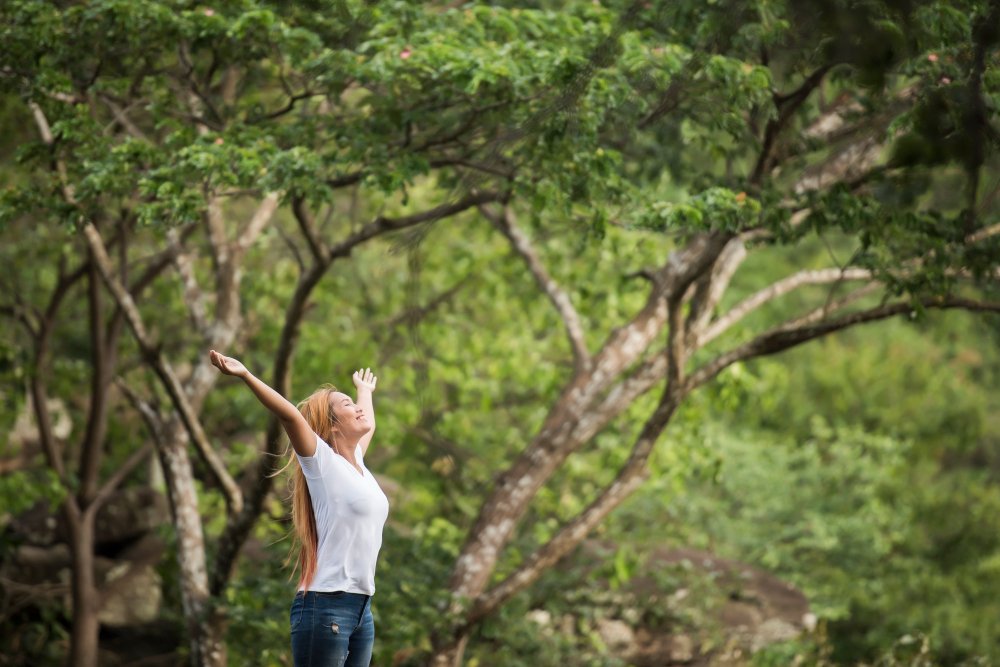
(345, 446)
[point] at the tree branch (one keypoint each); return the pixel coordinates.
(983, 234)
(123, 119)
(163, 369)
(709, 289)
(194, 298)
(477, 166)
(787, 105)
(505, 222)
(772, 292)
(629, 478)
(381, 225)
(258, 223)
(308, 227)
(120, 474)
(785, 336)
(259, 477)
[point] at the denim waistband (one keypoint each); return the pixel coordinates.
(332, 594)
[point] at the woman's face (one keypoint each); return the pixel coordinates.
(351, 419)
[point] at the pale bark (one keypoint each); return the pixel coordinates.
(772, 292)
(517, 486)
(580, 412)
(709, 289)
(162, 368)
(207, 646)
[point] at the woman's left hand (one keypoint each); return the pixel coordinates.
(364, 379)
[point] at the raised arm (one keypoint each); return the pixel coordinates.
(364, 382)
(299, 432)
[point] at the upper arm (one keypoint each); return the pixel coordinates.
(300, 434)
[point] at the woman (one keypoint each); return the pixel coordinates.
(338, 510)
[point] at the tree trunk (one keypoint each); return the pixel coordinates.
(86, 602)
(205, 627)
(451, 655)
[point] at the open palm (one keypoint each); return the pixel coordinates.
(228, 365)
(364, 379)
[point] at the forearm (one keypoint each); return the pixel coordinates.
(270, 399)
(365, 403)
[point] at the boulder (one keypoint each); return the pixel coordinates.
(753, 609)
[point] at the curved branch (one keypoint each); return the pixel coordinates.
(772, 292)
(787, 336)
(163, 369)
(710, 289)
(787, 105)
(99, 255)
(308, 227)
(381, 224)
(632, 473)
(506, 223)
(629, 478)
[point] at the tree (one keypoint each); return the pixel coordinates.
(922, 250)
(143, 123)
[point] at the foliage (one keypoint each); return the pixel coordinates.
(617, 132)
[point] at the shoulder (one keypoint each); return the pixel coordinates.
(315, 465)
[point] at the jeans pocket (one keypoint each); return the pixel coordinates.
(297, 611)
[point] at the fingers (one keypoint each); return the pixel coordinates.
(219, 361)
(366, 377)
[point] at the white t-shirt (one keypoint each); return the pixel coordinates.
(350, 510)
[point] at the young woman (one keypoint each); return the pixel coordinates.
(338, 510)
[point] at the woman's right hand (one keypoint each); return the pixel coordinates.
(228, 365)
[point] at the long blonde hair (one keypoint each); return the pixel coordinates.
(319, 415)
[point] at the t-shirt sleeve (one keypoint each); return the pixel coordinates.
(313, 467)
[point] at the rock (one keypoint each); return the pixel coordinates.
(541, 617)
(130, 514)
(25, 431)
(753, 610)
(616, 634)
(772, 631)
(681, 648)
(125, 517)
(135, 603)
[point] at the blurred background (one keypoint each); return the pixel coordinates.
(684, 316)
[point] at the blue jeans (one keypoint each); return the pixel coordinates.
(332, 629)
